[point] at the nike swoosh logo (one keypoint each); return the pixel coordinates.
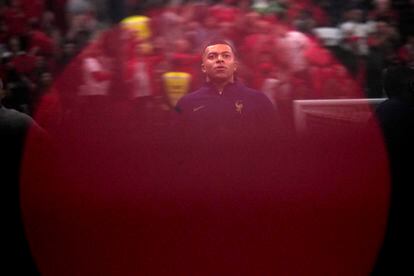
(198, 108)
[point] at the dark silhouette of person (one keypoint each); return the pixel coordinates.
(14, 126)
(396, 119)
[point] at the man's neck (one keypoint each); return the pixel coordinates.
(221, 84)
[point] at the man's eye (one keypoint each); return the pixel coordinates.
(211, 56)
(226, 56)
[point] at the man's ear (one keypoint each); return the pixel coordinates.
(203, 68)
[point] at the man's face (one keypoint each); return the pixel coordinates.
(219, 63)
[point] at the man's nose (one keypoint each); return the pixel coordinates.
(220, 58)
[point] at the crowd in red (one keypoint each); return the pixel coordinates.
(287, 49)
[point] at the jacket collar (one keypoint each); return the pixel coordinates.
(230, 88)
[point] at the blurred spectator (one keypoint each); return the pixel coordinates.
(333, 9)
(405, 10)
(264, 6)
(18, 91)
(57, 7)
(355, 32)
(14, 18)
(382, 10)
(329, 35)
(101, 10)
(96, 70)
(171, 25)
(81, 19)
(140, 73)
(48, 105)
(382, 53)
(196, 33)
(4, 34)
(225, 11)
(256, 50)
(182, 59)
(22, 61)
(321, 77)
(292, 46)
(406, 52)
(39, 43)
(210, 24)
(227, 30)
(75, 7)
(270, 87)
(260, 38)
(17, 66)
(66, 54)
(33, 9)
(265, 68)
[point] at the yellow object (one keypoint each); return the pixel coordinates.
(176, 85)
(140, 24)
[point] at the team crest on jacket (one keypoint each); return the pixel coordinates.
(239, 106)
